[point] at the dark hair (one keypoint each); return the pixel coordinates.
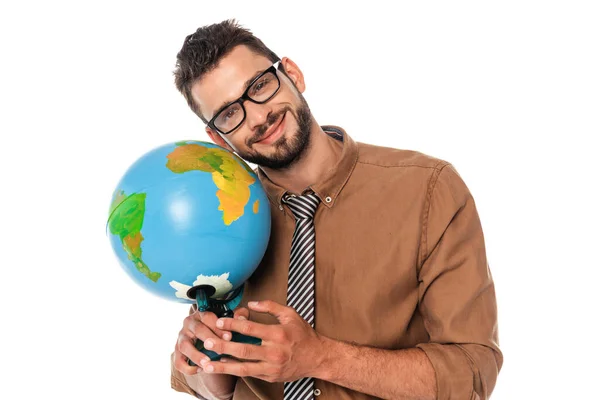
(203, 49)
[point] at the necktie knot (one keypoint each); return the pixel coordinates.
(303, 207)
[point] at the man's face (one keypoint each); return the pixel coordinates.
(274, 134)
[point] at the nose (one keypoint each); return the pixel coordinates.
(256, 114)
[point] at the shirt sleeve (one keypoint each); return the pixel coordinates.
(179, 383)
(456, 292)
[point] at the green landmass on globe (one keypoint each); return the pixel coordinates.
(126, 221)
(231, 175)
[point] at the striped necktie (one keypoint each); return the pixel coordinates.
(301, 284)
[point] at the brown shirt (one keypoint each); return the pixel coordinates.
(400, 262)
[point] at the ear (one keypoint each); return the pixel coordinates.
(217, 139)
(294, 73)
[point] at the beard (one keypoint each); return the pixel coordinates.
(287, 151)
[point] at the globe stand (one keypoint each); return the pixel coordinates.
(221, 308)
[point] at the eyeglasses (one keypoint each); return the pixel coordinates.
(261, 90)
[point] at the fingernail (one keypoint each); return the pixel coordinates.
(253, 303)
(209, 368)
(209, 344)
(241, 317)
(227, 336)
(203, 361)
(220, 323)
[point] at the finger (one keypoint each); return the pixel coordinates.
(225, 358)
(241, 312)
(207, 320)
(186, 347)
(241, 351)
(210, 319)
(249, 328)
(198, 329)
(180, 363)
(237, 368)
(281, 312)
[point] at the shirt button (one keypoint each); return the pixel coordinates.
(317, 392)
(328, 199)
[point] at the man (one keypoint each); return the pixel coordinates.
(398, 297)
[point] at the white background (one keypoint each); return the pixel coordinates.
(509, 92)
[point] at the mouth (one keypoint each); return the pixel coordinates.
(274, 132)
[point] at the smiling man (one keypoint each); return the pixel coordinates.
(375, 283)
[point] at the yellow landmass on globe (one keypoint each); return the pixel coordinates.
(231, 178)
(255, 206)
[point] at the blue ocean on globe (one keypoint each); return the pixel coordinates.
(186, 214)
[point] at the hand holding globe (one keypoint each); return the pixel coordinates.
(190, 222)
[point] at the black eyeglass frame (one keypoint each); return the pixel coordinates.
(244, 97)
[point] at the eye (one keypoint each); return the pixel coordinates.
(230, 113)
(260, 85)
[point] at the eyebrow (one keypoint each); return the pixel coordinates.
(246, 85)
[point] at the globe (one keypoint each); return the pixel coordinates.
(189, 215)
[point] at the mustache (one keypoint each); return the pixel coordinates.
(271, 119)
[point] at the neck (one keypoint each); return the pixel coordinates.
(320, 157)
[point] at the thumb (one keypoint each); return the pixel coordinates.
(241, 312)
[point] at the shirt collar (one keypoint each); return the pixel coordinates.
(328, 188)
